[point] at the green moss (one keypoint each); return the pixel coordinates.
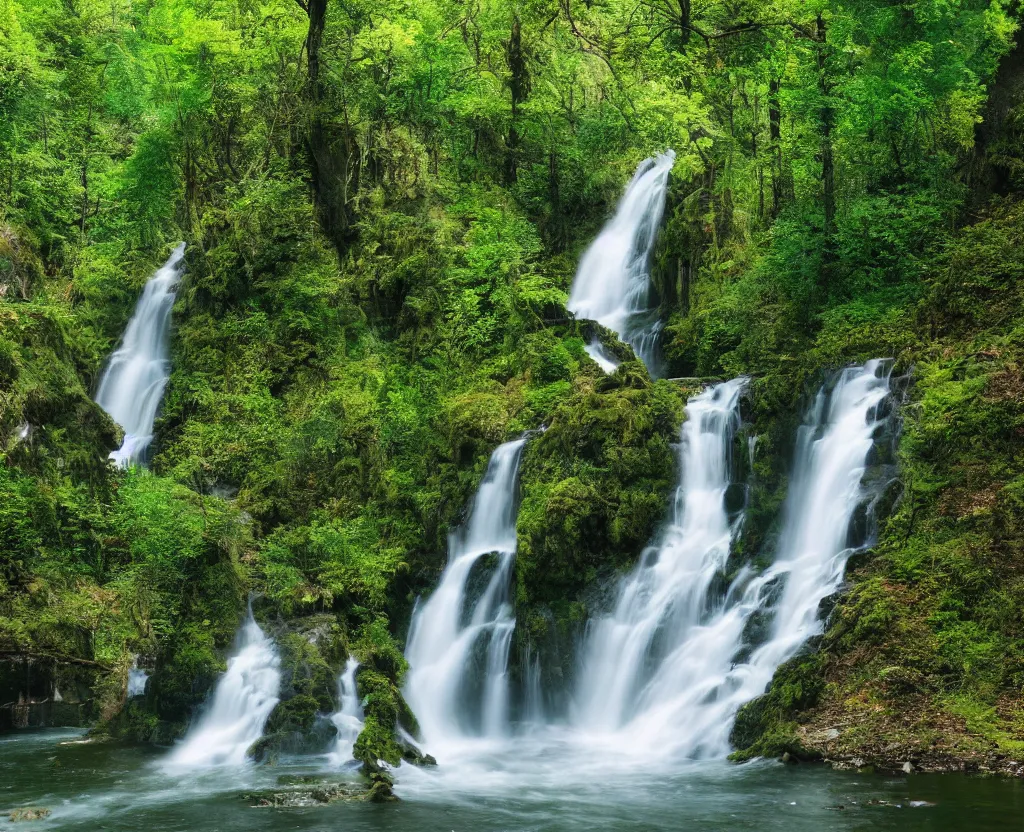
(766, 726)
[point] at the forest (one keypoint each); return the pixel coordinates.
(381, 362)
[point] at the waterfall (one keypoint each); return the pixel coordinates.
(242, 702)
(631, 655)
(137, 680)
(612, 284)
(459, 640)
(833, 448)
(666, 673)
(595, 349)
(348, 719)
(691, 635)
(132, 385)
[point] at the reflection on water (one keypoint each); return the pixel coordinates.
(117, 787)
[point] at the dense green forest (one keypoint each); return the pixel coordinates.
(384, 204)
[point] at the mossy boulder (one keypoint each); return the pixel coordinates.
(766, 726)
(312, 650)
(385, 710)
(594, 485)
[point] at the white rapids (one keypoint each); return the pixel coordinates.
(348, 719)
(663, 674)
(613, 281)
(132, 385)
(453, 633)
(644, 663)
(242, 702)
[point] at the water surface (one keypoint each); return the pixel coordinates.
(117, 787)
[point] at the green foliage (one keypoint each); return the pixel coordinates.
(378, 258)
(594, 486)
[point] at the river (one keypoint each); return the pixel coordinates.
(112, 786)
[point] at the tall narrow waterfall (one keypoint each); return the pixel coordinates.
(612, 284)
(133, 382)
(348, 719)
(639, 666)
(459, 641)
(242, 702)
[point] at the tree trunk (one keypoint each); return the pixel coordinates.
(333, 150)
(684, 24)
(519, 86)
(827, 119)
(775, 139)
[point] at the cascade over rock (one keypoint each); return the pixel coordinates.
(348, 719)
(613, 281)
(826, 490)
(242, 702)
(132, 385)
(458, 644)
(639, 663)
(664, 672)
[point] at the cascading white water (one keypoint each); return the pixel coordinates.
(833, 448)
(595, 349)
(663, 675)
(133, 382)
(242, 702)
(629, 654)
(666, 672)
(663, 672)
(137, 680)
(348, 719)
(451, 629)
(612, 284)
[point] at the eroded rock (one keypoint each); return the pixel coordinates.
(28, 813)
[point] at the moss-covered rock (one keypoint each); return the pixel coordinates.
(765, 727)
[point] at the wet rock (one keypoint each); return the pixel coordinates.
(381, 786)
(304, 792)
(411, 754)
(265, 749)
(28, 813)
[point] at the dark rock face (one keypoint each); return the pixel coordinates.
(44, 693)
(312, 651)
(412, 754)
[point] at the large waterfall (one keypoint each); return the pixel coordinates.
(834, 446)
(242, 702)
(459, 640)
(133, 382)
(668, 671)
(612, 284)
(664, 672)
(652, 660)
